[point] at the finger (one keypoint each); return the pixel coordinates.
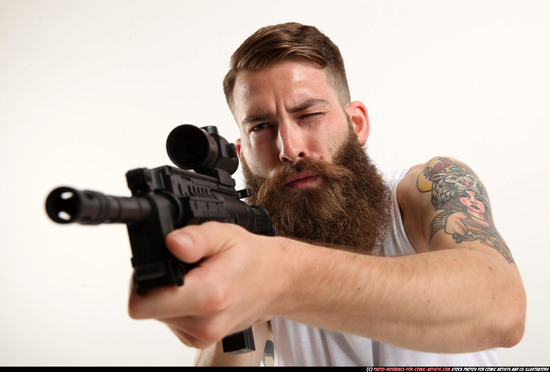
(186, 337)
(203, 331)
(197, 332)
(156, 303)
(192, 243)
(201, 294)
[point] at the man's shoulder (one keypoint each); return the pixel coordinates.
(420, 175)
(426, 191)
(407, 184)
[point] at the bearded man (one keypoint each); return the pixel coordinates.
(358, 273)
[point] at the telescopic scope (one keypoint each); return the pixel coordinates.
(201, 149)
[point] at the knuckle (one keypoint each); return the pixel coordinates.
(215, 301)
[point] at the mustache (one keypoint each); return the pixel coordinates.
(329, 172)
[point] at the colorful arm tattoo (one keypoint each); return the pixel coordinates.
(462, 200)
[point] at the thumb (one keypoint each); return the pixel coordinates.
(192, 243)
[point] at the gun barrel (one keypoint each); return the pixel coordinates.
(68, 205)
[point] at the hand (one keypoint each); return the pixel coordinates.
(226, 292)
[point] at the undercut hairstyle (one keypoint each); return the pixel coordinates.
(288, 42)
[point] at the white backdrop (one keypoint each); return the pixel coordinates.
(90, 89)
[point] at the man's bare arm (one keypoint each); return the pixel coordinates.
(454, 296)
(462, 293)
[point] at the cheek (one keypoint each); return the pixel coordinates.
(257, 161)
(331, 147)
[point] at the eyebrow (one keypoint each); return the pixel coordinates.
(307, 104)
(254, 118)
(262, 116)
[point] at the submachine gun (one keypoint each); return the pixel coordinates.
(167, 198)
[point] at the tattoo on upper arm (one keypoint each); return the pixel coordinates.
(462, 202)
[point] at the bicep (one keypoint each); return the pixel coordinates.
(457, 211)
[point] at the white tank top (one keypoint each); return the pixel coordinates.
(297, 344)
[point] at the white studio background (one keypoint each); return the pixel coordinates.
(90, 89)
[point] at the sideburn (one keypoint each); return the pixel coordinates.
(350, 210)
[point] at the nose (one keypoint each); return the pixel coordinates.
(291, 142)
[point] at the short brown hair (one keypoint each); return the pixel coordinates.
(288, 41)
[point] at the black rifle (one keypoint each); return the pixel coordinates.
(167, 198)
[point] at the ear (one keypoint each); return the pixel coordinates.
(238, 146)
(357, 113)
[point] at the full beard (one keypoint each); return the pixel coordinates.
(350, 210)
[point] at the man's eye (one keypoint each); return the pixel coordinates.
(259, 127)
(312, 115)
(310, 118)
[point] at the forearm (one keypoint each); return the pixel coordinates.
(443, 301)
(448, 300)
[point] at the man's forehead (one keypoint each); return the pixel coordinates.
(294, 82)
(248, 82)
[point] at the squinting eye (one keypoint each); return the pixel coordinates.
(310, 116)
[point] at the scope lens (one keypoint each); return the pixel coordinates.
(190, 147)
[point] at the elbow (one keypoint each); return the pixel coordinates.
(513, 335)
(512, 323)
(503, 331)
(513, 332)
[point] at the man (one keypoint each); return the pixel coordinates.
(364, 270)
